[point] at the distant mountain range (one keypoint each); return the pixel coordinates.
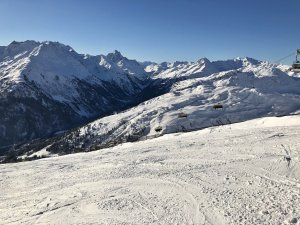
(47, 87)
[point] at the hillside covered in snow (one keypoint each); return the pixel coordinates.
(244, 173)
(192, 96)
(48, 87)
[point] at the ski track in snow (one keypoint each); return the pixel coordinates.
(233, 174)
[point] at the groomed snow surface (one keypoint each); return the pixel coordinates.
(232, 174)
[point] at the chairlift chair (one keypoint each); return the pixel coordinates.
(296, 65)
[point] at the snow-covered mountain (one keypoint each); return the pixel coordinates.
(189, 96)
(47, 86)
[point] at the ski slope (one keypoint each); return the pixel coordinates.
(232, 174)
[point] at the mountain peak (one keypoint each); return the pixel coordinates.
(27, 42)
(115, 56)
(247, 60)
(203, 60)
(16, 47)
(57, 45)
(180, 63)
(116, 52)
(251, 60)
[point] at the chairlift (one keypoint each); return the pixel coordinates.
(296, 65)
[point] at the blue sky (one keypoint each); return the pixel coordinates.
(159, 30)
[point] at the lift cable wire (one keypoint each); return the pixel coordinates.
(288, 56)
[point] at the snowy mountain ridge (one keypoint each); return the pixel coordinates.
(179, 97)
(48, 61)
(189, 105)
(47, 86)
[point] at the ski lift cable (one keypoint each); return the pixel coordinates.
(288, 56)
